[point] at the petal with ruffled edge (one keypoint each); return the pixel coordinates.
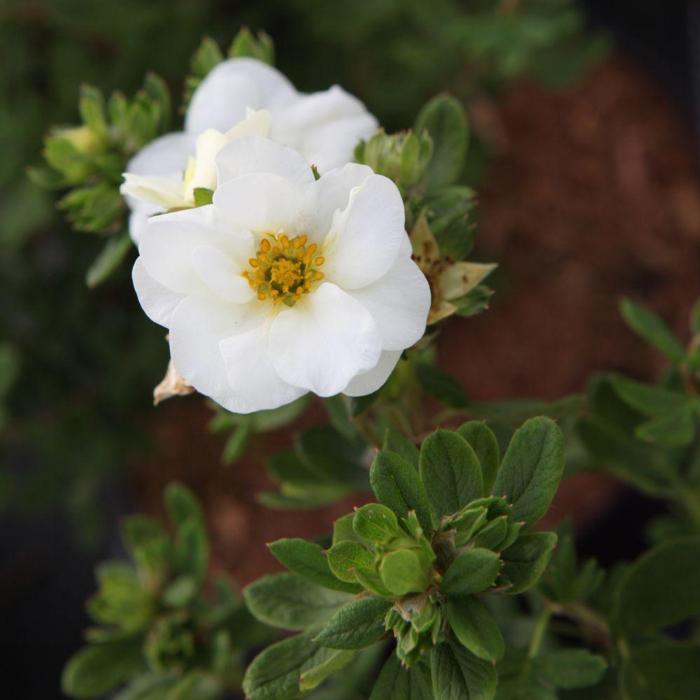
(156, 300)
(254, 154)
(323, 341)
(197, 326)
(254, 381)
(169, 241)
(332, 194)
(365, 237)
(264, 203)
(399, 303)
(221, 99)
(325, 127)
(369, 382)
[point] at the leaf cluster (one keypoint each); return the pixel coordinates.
(450, 530)
(158, 634)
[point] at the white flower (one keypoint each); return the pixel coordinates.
(285, 284)
(240, 97)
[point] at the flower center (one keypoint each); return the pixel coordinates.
(284, 268)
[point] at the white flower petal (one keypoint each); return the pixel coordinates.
(221, 99)
(254, 382)
(333, 194)
(325, 127)
(156, 300)
(169, 240)
(399, 303)
(253, 154)
(369, 382)
(263, 202)
(256, 123)
(221, 274)
(197, 326)
(167, 155)
(322, 342)
(161, 191)
(138, 219)
(202, 171)
(365, 238)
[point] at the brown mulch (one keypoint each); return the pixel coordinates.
(594, 195)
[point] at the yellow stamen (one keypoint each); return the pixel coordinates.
(284, 269)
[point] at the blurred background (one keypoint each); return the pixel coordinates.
(584, 157)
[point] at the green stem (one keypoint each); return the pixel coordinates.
(538, 633)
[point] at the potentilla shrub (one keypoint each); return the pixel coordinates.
(292, 249)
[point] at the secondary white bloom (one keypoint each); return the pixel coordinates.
(284, 284)
(241, 97)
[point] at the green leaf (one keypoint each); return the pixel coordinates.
(343, 529)
(532, 468)
(525, 561)
(357, 624)
(321, 665)
(647, 399)
(459, 675)
(491, 536)
(475, 627)
(394, 441)
(98, 668)
(347, 557)
(275, 673)
(180, 592)
(121, 600)
(308, 560)
(191, 552)
(401, 572)
(662, 671)
(237, 442)
(649, 326)
(207, 56)
(448, 214)
(109, 259)
(291, 602)
(444, 119)
(148, 544)
(485, 446)
(450, 472)
(196, 685)
(151, 686)
(396, 484)
(376, 523)
(246, 45)
(182, 505)
(441, 386)
(397, 683)
(92, 110)
(570, 668)
(660, 589)
(672, 430)
(473, 571)
(157, 90)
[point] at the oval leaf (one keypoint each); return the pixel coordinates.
(357, 624)
(450, 472)
(531, 469)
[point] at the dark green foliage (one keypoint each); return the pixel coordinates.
(157, 628)
(424, 562)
